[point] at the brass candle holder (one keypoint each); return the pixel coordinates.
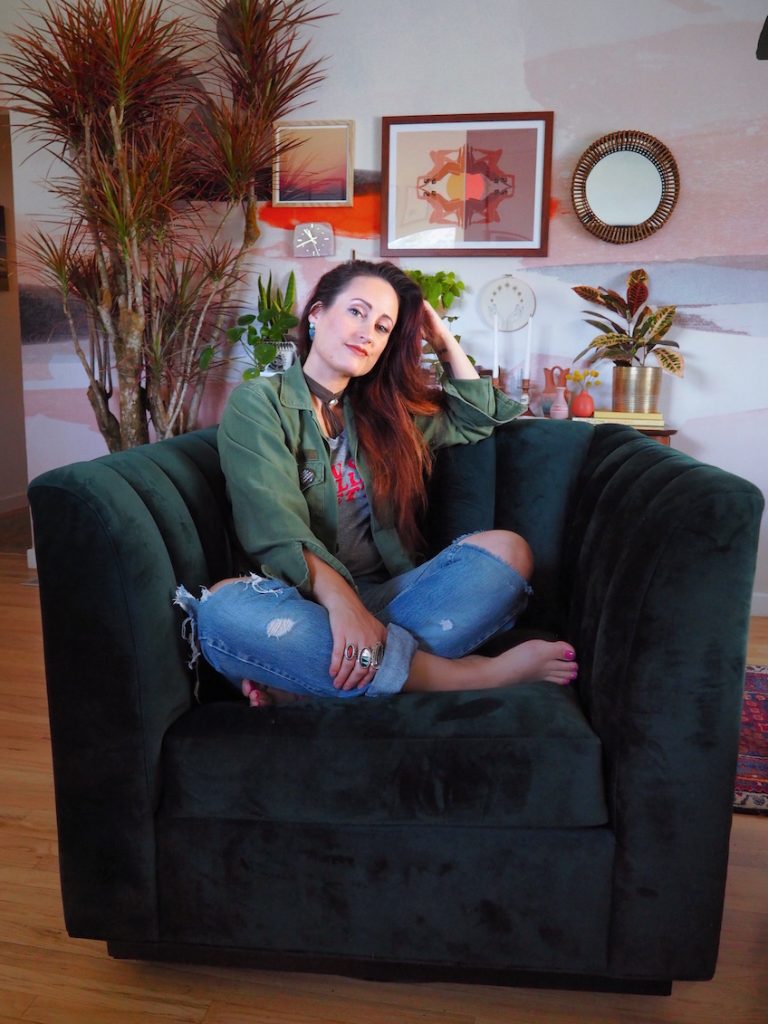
(525, 398)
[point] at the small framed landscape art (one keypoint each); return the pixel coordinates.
(315, 164)
(466, 184)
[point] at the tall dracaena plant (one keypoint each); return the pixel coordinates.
(154, 117)
(262, 72)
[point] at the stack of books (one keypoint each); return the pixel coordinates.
(632, 419)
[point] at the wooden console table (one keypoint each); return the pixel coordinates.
(662, 434)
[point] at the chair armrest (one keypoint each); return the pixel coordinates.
(112, 537)
(660, 567)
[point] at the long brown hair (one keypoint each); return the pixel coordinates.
(387, 398)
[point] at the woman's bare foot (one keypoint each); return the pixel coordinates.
(260, 696)
(534, 661)
(530, 662)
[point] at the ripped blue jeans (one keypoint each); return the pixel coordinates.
(262, 629)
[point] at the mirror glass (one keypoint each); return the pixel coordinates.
(624, 188)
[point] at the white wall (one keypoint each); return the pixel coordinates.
(683, 71)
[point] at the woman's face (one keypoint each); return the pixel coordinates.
(352, 332)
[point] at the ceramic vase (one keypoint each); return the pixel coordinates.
(582, 404)
(559, 408)
(554, 376)
(285, 357)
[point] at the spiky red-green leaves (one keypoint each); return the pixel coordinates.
(637, 290)
(84, 58)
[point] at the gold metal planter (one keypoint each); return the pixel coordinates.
(636, 388)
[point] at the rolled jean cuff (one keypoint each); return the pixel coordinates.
(396, 664)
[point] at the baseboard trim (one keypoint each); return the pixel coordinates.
(759, 604)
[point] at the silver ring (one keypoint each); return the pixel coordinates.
(370, 657)
(350, 652)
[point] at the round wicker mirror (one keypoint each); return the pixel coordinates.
(624, 198)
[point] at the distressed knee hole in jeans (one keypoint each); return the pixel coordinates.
(190, 605)
(279, 627)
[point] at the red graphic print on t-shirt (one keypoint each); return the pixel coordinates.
(349, 484)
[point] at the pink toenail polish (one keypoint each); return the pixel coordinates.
(569, 655)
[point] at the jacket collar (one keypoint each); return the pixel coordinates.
(294, 393)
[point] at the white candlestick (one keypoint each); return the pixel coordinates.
(495, 344)
(527, 356)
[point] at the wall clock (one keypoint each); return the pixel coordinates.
(314, 238)
(511, 301)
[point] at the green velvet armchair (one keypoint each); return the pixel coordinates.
(566, 836)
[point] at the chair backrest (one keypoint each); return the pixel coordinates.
(538, 464)
(114, 536)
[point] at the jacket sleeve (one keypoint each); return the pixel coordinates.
(472, 410)
(271, 515)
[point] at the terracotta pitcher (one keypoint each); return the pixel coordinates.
(554, 377)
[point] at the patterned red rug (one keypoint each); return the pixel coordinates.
(752, 772)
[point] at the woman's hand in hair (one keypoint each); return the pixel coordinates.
(445, 346)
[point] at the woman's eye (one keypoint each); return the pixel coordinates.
(355, 311)
(383, 328)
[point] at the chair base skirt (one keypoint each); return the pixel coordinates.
(381, 970)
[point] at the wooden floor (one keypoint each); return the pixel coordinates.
(15, 531)
(48, 978)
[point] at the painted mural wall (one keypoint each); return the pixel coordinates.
(684, 71)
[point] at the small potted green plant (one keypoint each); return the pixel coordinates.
(264, 334)
(441, 290)
(629, 342)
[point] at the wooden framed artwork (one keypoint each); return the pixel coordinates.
(466, 184)
(315, 164)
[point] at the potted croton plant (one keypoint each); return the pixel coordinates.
(629, 341)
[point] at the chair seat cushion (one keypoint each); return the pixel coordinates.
(521, 757)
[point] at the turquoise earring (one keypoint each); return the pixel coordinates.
(311, 330)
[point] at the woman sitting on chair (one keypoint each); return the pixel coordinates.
(326, 466)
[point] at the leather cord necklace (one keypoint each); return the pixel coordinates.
(329, 399)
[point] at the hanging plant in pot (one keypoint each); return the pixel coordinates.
(636, 384)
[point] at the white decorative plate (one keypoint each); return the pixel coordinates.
(511, 299)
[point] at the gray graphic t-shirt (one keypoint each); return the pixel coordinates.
(356, 548)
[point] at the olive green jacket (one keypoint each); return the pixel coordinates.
(276, 462)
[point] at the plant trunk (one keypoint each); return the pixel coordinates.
(106, 421)
(158, 409)
(133, 417)
(252, 229)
